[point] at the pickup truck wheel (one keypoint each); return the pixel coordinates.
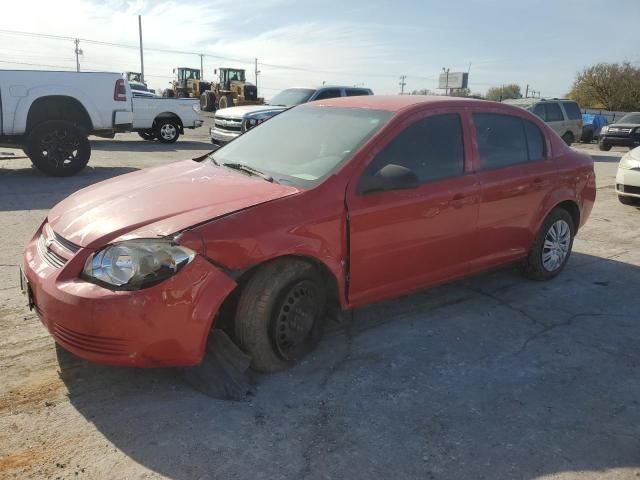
(552, 247)
(167, 131)
(147, 135)
(58, 148)
(280, 314)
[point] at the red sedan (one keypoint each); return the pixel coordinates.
(333, 204)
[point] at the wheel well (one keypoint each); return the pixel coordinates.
(224, 319)
(571, 207)
(58, 107)
(170, 116)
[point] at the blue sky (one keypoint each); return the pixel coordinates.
(543, 43)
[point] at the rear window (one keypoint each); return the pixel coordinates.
(504, 140)
(573, 110)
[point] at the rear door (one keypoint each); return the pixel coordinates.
(402, 240)
(516, 173)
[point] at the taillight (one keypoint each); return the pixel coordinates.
(120, 92)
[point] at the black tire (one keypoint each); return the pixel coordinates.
(211, 101)
(604, 147)
(280, 314)
(147, 135)
(167, 131)
(568, 138)
(587, 136)
(625, 200)
(533, 266)
(226, 101)
(58, 148)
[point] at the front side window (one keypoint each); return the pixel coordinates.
(505, 140)
(432, 148)
(539, 111)
(329, 93)
(291, 97)
(552, 112)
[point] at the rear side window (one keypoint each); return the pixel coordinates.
(552, 113)
(329, 93)
(355, 92)
(432, 148)
(573, 110)
(504, 140)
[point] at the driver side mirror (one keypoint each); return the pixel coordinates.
(389, 177)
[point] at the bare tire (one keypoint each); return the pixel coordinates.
(147, 135)
(58, 148)
(552, 247)
(604, 147)
(280, 314)
(568, 138)
(225, 102)
(167, 131)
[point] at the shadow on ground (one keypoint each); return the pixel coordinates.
(29, 189)
(491, 377)
(605, 158)
(150, 146)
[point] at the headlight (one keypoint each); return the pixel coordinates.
(135, 264)
(252, 122)
(604, 129)
(629, 163)
(196, 107)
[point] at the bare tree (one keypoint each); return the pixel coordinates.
(612, 86)
(502, 93)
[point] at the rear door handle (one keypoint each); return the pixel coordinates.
(538, 183)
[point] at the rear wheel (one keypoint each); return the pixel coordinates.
(280, 314)
(604, 147)
(167, 131)
(568, 138)
(552, 247)
(58, 148)
(147, 135)
(225, 102)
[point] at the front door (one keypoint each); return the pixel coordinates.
(405, 239)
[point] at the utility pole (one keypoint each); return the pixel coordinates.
(446, 88)
(257, 72)
(526, 92)
(201, 67)
(78, 53)
(141, 54)
(402, 83)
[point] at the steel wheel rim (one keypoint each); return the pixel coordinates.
(168, 131)
(295, 318)
(556, 245)
(60, 148)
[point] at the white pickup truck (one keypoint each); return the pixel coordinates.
(50, 115)
(164, 118)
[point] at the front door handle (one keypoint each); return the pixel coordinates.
(458, 201)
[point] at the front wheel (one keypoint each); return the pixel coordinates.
(167, 131)
(552, 247)
(280, 314)
(58, 148)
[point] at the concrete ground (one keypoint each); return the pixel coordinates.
(491, 377)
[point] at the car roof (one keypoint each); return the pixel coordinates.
(327, 86)
(395, 103)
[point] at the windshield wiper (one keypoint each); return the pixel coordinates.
(250, 170)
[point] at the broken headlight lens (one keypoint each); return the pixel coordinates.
(135, 264)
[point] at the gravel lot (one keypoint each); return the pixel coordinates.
(492, 377)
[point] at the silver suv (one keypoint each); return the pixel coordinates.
(229, 123)
(563, 116)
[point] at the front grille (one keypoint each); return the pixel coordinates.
(625, 131)
(52, 258)
(628, 189)
(64, 243)
(90, 343)
(228, 124)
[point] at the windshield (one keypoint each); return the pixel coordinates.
(292, 97)
(630, 118)
(303, 145)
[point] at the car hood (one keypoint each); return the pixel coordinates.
(242, 111)
(158, 202)
(624, 125)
